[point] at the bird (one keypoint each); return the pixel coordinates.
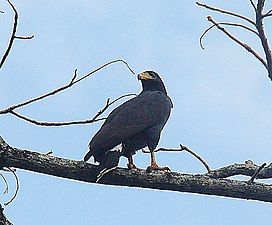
(134, 125)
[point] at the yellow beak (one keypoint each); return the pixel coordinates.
(144, 76)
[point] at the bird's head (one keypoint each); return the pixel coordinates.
(151, 81)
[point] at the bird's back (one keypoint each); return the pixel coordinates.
(150, 108)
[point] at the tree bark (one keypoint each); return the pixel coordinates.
(3, 219)
(207, 184)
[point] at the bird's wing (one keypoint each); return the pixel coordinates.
(132, 117)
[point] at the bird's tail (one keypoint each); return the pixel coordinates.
(88, 156)
(108, 163)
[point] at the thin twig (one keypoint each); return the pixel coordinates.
(17, 188)
(12, 34)
(226, 12)
(56, 124)
(253, 5)
(9, 169)
(49, 153)
(267, 15)
(64, 87)
(6, 183)
(79, 122)
(24, 37)
(224, 23)
(251, 180)
(245, 46)
(270, 11)
(182, 148)
(2, 11)
(74, 77)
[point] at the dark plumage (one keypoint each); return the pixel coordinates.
(135, 124)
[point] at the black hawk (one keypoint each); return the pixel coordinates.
(133, 125)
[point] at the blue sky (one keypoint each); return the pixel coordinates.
(222, 105)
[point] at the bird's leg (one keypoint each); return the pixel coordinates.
(154, 165)
(130, 164)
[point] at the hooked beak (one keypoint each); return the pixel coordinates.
(144, 76)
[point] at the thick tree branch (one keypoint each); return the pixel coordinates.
(246, 169)
(3, 218)
(262, 35)
(172, 181)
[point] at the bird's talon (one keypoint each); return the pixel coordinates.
(131, 166)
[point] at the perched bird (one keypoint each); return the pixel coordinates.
(133, 125)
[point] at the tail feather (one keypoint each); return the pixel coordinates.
(88, 155)
(108, 163)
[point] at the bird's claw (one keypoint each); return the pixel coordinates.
(131, 166)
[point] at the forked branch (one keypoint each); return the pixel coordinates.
(68, 123)
(258, 29)
(237, 15)
(239, 42)
(74, 80)
(13, 34)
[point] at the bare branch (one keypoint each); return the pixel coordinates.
(74, 77)
(224, 23)
(253, 5)
(226, 12)
(3, 218)
(24, 37)
(262, 35)
(172, 181)
(56, 124)
(267, 15)
(245, 46)
(49, 153)
(270, 11)
(67, 123)
(1, 11)
(17, 187)
(62, 88)
(246, 169)
(257, 172)
(182, 148)
(12, 34)
(6, 183)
